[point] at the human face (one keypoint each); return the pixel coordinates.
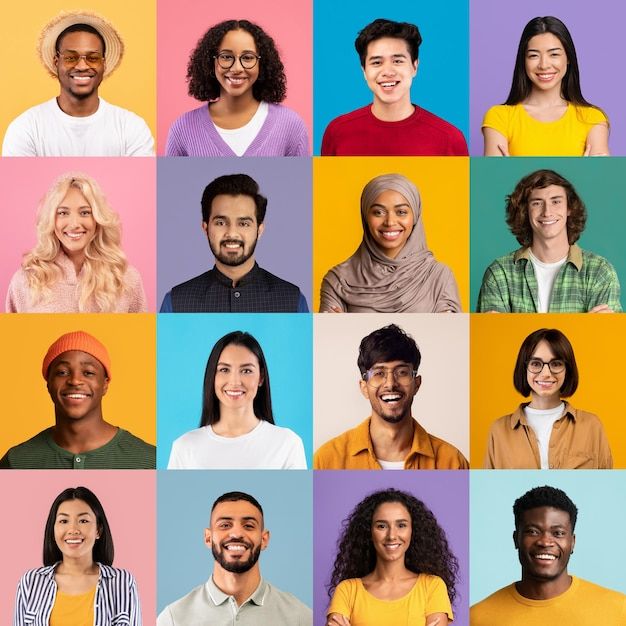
(75, 529)
(390, 222)
(76, 383)
(82, 80)
(544, 542)
(389, 70)
(392, 400)
(236, 536)
(391, 531)
(546, 62)
(545, 385)
(232, 229)
(237, 80)
(238, 377)
(74, 224)
(548, 213)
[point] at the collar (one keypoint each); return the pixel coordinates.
(250, 277)
(106, 571)
(219, 597)
(518, 417)
(574, 256)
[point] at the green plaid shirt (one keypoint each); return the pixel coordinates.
(584, 281)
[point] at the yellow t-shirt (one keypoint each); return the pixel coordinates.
(527, 136)
(429, 595)
(583, 604)
(73, 610)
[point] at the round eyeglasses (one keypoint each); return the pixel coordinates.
(226, 60)
(402, 374)
(535, 366)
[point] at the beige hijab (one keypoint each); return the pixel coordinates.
(371, 281)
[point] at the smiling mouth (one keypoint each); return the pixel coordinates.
(545, 557)
(392, 546)
(546, 77)
(390, 234)
(75, 235)
(74, 541)
(391, 398)
(390, 84)
(76, 396)
(233, 394)
(232, 245)
(236, 81)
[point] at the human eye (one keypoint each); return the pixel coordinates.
(377, 374)
(557, 363)
(228, 58)
(94, 57)
(402, 212)
(244, 224)
(248, 57)
(535, 364)
(399, 61)
(404, 371)
(222, 369)
(375, 62)
(219, 222)
(89, 373)
(85, 213)
(62, 212)
(69, 57)
(380, 525)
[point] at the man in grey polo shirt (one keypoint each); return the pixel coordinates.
(236, 591)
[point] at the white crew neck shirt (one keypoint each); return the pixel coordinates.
(546, 275)
(541, 421)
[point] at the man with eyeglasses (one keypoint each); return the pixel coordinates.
(79, 49)
(390, 438)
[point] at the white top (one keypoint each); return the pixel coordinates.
(239, 139)
(45, 130)
(542, 421)
(545, 274)
(391, 465)
(265, 447)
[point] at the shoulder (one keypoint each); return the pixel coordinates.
(347, 119)
(589, 419)
(491, 606)
(278, 433)
(36, 111)
(293, 604)
(194, 282)
(129, 441)
(179, 607)
(284, 113)
(31, 576)
(334, 453)
(116, 575)
(590, 115)
(119, 113)
(425, 117)
(274, 281)
(33, 444)
(594, 261)
(190, 118)
(499, 112)
(192, 438)
(447, 456)
(505, 263)
(595, 593)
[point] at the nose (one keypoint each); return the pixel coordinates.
(545, 539)
(82, 64)
(74, 378)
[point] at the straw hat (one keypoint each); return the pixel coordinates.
(113, 42)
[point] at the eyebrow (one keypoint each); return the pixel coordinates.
(549, 49)
(240, 365)
(67, 514)
(233, 52)
(87, 362)
(558, 195)
(245, 218)
(397, 55)
(401, 519)
(248, 518)
(395, 206)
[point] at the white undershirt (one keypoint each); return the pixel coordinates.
(546, 275)
(239, 139)
(391, 465)
(542, 421)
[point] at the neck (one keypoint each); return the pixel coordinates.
(77, 259)
(546, 98)
(84, 434)
(233, 105)
(534, 589)
(391, 442)
(550, 251)
(240, 586)
(389, 571)
(235, 422)
(82, 566)
(78, 107)
(235, 272)
(392, 112)
(543, 403)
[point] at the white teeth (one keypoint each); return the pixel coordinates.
(388, 84)
(391, 234)
(390, 397)
(74, 235)
(545, 557)
(234, 394)
(73, 541)
(234, 246)
(235, 548)
(76, 396)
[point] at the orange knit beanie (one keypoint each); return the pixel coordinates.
(77, 340)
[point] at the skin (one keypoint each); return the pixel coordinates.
(545, 387)
(237, 104)
(390, 222)
(74, 226)
(232, 232)
(544, 530)
(389, 73)
(79, 83)
(237, 523)
(391, 427)
(237, 380)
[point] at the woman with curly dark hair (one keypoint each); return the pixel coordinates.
(236, 68)
(393, 566)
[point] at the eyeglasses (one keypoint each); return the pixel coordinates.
(535, 366)
(247, 60)
(402, 374)
(93, 59)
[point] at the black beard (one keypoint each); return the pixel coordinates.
(236, 567)
(230, 260)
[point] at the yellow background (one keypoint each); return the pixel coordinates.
(599, 343)
(24, 82)
(26, 406)
(443, 183)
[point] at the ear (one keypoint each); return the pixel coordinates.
(205, 228)
(260, 230)
(105, 387)
(417, 383)
(515, 540)
(207, 537)
(364, 389)
(573, 543)
(415, 66)
(265, 539)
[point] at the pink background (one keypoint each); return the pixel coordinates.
(128, 184)
(181, 23)
(128, 499)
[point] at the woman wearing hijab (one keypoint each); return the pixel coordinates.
(392, 271)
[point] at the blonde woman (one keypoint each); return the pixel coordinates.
(78, 264)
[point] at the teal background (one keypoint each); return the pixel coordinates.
(442, 81)
(184, 342)
(600, 183)
(600, 551)
(184, 505)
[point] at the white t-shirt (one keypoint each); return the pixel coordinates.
(546, 275)
(391, 465)
(239, 139)
(541, 421)
(45, 130)
(265, 447)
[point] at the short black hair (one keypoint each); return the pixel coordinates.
(390, 343)
(236, 496)
(388, 28)
(233, 185)
(544, 496)
(80, 28)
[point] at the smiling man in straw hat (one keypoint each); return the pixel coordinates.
(79, 49)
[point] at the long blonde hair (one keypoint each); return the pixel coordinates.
(102, 274)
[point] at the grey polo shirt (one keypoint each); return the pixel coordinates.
(207, 604)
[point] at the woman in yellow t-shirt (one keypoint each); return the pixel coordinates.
(393, 566)
(545, 113)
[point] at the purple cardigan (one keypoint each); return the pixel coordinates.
(193, 134)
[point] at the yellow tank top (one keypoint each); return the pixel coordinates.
(73, 610)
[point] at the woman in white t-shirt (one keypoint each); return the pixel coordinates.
(237, 429)
(547, 433)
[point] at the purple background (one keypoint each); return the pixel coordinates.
(285, 247)
(597, 30)
(335, 493)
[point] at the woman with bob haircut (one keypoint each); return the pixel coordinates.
(393, 565)
(77, 584)
(547, 432)
(392, 271)
(236, 68)
(545, 113)
(78, 264)
(237, 429)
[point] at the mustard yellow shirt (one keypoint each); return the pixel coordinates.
(73, 610)
(527, 136)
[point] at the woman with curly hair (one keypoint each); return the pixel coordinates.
(393, 566)
(545, 113)
(236, 68)
(78, 264)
